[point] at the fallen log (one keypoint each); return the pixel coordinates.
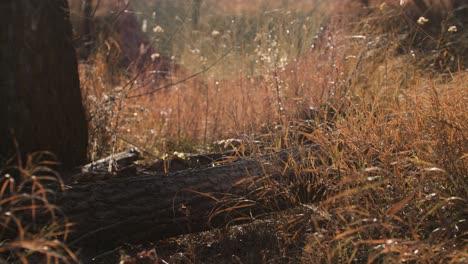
(152, 206)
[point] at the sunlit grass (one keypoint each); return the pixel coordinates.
(385, 96)
(32, 229)
(263, 75)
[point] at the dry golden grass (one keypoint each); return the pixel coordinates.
(390, 101)
(261, 76)
(390, 97)
(32, 229)
(400, 197)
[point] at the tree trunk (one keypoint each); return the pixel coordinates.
(153, 206)
(87, 8)
(40, 97)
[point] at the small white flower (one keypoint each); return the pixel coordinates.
(144, 25)
(215, 33)
(179, 154)
(402, 2)
(158, 29)
(154, 56)
(453, 29)
(422, 20)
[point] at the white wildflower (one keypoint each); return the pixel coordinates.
(158, 29)
(179, 154)
(215, 33)
(154, 56)
(422, 20)
(453, 29)
(144, 25)
(402, 2)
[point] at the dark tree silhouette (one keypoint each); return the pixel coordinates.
(40, 99)
(87, 7)
(196, 5)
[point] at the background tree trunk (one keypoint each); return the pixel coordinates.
(196, 5)
(87, 8)
(40, 97)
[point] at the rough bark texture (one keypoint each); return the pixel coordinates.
(148, 207)
(153, 206)
(40, 98)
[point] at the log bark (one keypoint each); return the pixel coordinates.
(148, 207)
(154, 206)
